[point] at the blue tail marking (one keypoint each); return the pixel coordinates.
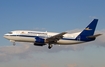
(88, 31)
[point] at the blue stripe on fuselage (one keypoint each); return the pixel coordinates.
(39, 36)
(28, 36)
(47, 37)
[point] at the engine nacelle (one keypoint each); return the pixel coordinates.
(39, 41)
(39, 44)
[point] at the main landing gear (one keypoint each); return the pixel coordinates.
(50, 46)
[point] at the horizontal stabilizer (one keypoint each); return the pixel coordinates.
(94, 36)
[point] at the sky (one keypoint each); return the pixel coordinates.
(55, 16)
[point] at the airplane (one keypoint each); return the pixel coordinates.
(39, 38)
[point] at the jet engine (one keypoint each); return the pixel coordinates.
(39, 41)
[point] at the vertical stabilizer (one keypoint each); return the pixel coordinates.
(88, 31)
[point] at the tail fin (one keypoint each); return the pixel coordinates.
(88, 31)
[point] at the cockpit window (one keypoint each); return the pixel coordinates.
(10, 32)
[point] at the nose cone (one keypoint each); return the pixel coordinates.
(6, 36)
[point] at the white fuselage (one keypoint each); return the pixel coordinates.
(29, 36)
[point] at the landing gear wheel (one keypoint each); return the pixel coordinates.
(14, 44)
(50, 46)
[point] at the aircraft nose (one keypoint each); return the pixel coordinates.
(5, 36)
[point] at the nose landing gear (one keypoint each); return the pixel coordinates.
(13, 42)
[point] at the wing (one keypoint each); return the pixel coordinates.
(55, 38)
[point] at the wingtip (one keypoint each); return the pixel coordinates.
(96, 19)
